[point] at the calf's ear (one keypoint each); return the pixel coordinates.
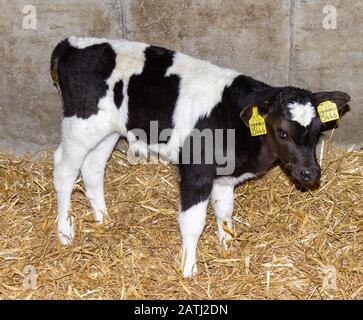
(264, 103)
(338, 97)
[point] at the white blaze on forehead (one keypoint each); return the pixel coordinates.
(302, 113)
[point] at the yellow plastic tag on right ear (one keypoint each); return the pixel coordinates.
(328, 111)
(257, 123)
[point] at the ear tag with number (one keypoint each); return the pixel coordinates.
(257, 123)
(328, 111)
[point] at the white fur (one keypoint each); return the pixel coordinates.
(81, 43)
(65, 228)
(232, 181)
(191, 222)
(222, 198)
(93, 171)
(302, 113)
(65, 224)
(79, 137)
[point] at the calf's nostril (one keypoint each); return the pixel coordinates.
(305, 175)
(314, 173)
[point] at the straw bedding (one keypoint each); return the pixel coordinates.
(287, 244)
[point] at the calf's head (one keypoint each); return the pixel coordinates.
(293, 128)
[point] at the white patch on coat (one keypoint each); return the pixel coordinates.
(79, 137)
(201, 89)
(302, 113)
(89, 132)
(232, 181)
(130, 60)
(81, 43)
(93, 172)
(191, 223)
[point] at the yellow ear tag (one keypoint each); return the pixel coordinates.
(328, 111)
(54, 75)
(257, 123)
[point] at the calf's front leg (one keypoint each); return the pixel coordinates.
(195, 190)
(191, 222)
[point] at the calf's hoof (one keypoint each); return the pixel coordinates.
(189, 270)
(66, 231)
(224, 246)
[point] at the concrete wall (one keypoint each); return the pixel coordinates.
(281, 42)
(331, 59)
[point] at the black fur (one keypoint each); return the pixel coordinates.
(196, 182)
(56, 54)
(152, 95)
(118, 93)
(82, 76)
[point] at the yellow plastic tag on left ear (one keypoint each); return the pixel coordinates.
(328, 111)
(257, 123)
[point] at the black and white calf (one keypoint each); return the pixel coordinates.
(110, 88)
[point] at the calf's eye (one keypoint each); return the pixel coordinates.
(281, 133)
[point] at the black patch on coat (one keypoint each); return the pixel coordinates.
(152, 95)
(82, 77)
(118, 93)
(196, 182)
(56, 54)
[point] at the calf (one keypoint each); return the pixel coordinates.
(113, 88)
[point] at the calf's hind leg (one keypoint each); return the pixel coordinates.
(68, 160)
(93, 172)
(77, 142)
